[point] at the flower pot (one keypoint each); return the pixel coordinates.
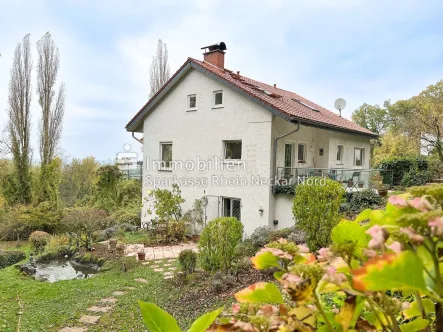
(383, 192)
(360, 185)
(350, 184)
(141, 256)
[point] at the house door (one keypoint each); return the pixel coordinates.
(289, 157)
(231, 207)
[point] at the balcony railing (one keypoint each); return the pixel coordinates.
(354, 179)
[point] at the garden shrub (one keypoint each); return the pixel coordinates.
(176, 231)
(128, 215)
(187, 260)
(316, 210)
(416, 178)
(15, 223)
(8, 258)
(57, 241)
(280, 233)
(246, 248)
(218, 242)
(167, 204)
(47, 217)
(297, 236)
(399, 166)
(39, 240)
(364, 199)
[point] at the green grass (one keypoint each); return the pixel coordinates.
(135, 238)
(50, 306)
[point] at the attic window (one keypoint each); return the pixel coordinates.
(306, 105)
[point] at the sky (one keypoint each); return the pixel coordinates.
(361, 50)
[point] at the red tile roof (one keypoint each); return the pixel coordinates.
(287, 103)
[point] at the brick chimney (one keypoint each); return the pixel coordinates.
(215, 54)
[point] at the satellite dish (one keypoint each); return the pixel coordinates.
(340, 104)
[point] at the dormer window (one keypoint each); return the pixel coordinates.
(218, 98)
(192, 102)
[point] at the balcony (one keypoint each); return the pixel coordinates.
(351, 179)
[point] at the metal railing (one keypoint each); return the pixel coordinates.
(350, 178)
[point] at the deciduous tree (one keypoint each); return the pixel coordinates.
(159, 70)
(19, 121)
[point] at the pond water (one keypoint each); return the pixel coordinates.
(63, 270)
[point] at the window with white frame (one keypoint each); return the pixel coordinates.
(166, 155)
(192, 102)
(301, 153)
(231, 207)
(218, 98)
(232, 149)
(359, 155)
(340, 154)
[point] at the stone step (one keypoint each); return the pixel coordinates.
(86, 319)
(99, 309)
(73, 329)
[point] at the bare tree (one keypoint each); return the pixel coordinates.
(159, 70)
(52, 103)
(19, 119)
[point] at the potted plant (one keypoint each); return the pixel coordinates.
(141, 254)
(361, 184)
(350, 183)
(383, 190)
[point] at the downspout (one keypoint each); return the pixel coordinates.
(133, 136)
(274, 156)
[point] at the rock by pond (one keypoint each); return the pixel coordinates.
(59, 269)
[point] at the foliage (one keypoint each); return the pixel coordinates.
(284, 189)
(316, 210)
(218, 242)
(399, 167)
(8, 258)
(55, 252)
(83, 222)
(393, 145)
(46, 216)
(39, 240)
(47, 183)
(421, 117)
(58, 241)
(166, 204)
(105, 191)
(127, 215)
(364, 199)
(187, 260)
(176, 231)
(388, 268)
(15, 223)
(372, 117)
(416, 178)
(195, 216)
(264, 234)
(297, 236)
(78, 180)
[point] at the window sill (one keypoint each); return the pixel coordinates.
(339, 164)
(217, 106)
(192, 110)
(165, 170)
(233, 161)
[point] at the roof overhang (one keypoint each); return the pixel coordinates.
(136, 124)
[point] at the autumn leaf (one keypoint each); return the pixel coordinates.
(260, 292)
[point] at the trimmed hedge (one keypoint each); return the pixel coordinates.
(8, 258)
(401, 166)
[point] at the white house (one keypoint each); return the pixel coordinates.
(230, 138)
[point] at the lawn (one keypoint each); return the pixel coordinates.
(50, 306)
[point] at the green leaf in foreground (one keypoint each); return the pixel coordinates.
(260, 292)
(264, 260)
(416, 325)
(156, 319)
(402, 271)
(202, 323)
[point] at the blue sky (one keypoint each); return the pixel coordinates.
(363, 51)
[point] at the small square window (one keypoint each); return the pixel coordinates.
(301, 153)
(218, 98)
(233, 149)
(321, 152)
(192, 102)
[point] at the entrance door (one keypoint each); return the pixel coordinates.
(231, 207)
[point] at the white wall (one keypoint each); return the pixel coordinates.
(201, 134)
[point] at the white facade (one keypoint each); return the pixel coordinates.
(200, 133)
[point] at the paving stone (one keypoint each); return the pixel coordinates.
(144, 281)
(146, 263)
(159, 255)
(168, 277)
(167, 264)
(118, 293)
(160, 269)
(109, 300)
(99, 309)
(89, 319)
(168, 273)
(73, 329)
